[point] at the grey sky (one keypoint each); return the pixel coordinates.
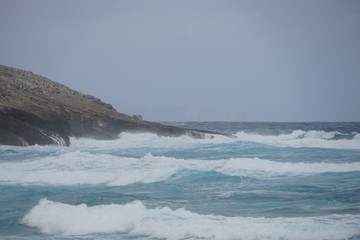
(195, 60)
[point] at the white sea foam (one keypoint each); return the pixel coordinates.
(150, 140)
(258, 167)
(84, 168)
(135, 219)
(357, 136)
(74, 168)
(299, 138)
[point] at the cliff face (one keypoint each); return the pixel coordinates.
(36, 110)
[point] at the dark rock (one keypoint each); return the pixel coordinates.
(36, 110)
(137, 116)
(24, 128)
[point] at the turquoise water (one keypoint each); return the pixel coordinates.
(270, 181)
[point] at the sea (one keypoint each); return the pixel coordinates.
(266, 181)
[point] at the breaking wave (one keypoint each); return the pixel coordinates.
(80, 168)
(135, 219)
(298, 138)
(309, 139)
(150, 140)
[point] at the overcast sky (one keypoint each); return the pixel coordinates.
(195, 60)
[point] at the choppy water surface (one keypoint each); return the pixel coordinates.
(271, 181)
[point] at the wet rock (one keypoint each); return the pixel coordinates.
(37, 110)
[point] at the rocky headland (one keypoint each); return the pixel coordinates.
(37, 110)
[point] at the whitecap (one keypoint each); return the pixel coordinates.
(83, 168)
(296, 139)
(147, 140)
(135, 219)
(299, 138)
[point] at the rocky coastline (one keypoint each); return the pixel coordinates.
(37, 110)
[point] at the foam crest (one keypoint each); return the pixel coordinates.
(320, 134)
(255, 167)
(299, 138)
(357, 136)
(147, 140)
(79, 168)
(135, 219)
(84, 168)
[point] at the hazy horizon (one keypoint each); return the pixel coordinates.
(262, 61)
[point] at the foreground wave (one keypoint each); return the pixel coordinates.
(271, 181)
(135, 219)
(79, 167)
